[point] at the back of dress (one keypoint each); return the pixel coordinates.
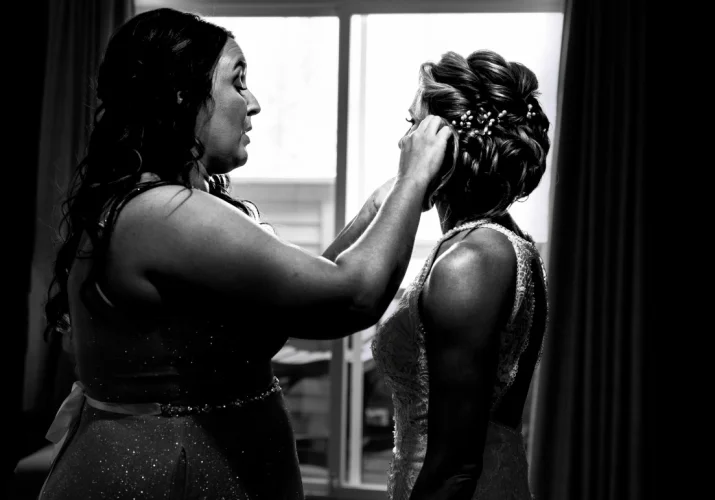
(169, 404)
(399, 350)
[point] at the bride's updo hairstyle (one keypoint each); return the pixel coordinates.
(499, 130)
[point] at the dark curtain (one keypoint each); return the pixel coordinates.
(593, 425)
(65, 67)
(23, 81)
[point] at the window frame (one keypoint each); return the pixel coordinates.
(344, 472)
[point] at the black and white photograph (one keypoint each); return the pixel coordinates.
(328, 250)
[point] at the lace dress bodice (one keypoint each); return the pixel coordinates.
(400, 355)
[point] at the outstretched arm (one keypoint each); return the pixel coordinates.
(354, 229)
(201, 250)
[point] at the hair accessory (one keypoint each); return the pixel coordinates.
(484, 118)
(465, 121)
(529, 113)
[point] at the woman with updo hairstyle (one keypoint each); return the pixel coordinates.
(173, 296)
(459, 351)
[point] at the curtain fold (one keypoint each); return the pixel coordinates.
(22, 109)
(78, 33)
(590, 426)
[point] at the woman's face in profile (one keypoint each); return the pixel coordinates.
(222, 125)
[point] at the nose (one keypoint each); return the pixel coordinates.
(253, 107)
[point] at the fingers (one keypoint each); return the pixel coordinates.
(444, 133)
(433, 124)
(429, 125)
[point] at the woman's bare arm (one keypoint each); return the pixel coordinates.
(464, 305)
(204, 245)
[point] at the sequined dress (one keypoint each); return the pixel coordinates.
(169, 406)
(400, 355)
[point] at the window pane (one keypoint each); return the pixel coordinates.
(293, 72)
(290, 176)
(386, 53)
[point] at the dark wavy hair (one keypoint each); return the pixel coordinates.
(139, 126)
(490, 171)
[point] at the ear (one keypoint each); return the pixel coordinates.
(179, 97)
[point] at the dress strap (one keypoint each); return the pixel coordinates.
(95, 278)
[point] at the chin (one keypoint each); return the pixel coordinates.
(240, 159)
(226, 165)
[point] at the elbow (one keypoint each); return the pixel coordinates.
(369, 298)
(366, 312)
(340, 325)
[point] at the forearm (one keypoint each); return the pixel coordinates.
(379, 257)
(352, 231)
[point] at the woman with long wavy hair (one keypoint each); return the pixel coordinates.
(175, 296)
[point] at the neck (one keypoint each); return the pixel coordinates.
(449, 219)
(199, 177)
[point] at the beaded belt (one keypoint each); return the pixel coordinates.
(68, 414)
(67, 417)
(172, 410)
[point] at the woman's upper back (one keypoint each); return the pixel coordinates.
(505, 280)
(133, 355)
(140, 336)
(511, 267)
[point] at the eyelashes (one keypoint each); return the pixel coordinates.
(240, 83)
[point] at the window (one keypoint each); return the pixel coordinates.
(335, 79)
(386, 51)
(293, 72)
